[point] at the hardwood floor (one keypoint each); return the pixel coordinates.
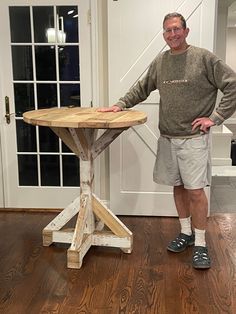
(34, 279)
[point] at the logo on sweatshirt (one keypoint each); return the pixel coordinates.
(175, 81)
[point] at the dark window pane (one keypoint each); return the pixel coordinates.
(69, 63)
(50, 171)
(71, 171)
(22, 63)
(65, 149)
(47, 95)
(20, 24)
(28, 174)
(26, 137)
(48, 140)
(45, 63)
(24, 98)
(68, 22)
(70, 95)
(43, 20)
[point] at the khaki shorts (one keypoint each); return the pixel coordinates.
(183, 162)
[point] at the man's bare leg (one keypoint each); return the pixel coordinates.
(182, 201)
(199, 209)
(185, 238)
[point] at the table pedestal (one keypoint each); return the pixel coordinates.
(92, 215)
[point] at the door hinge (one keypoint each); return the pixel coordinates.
(89, 16)
(91, 103)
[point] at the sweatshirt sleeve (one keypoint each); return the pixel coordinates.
(225, 80)
(141, 90)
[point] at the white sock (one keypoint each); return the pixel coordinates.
(185, 224)
(200, 237)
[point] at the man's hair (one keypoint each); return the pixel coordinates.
(175, 14)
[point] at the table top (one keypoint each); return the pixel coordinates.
(77, 117)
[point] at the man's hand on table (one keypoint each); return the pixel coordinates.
(113, 108)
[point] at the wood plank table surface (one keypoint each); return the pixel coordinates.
(78, 129)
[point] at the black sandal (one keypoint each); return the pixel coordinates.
(181, 242)
(201, 257)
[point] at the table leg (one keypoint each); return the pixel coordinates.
(49, 232)
(85, 225)
(89, 208)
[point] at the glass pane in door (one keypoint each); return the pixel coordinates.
(22, 63)
(70, 95)
(70, 170)
(24, 98)
(26, 137)
(27, 168)
(69, 63)
(47, 95)
(48, 140)
(68, 22)
(43, 18)
(45, 60)
(50, 170)
(20, 31)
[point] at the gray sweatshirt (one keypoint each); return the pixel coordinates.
(188, 85)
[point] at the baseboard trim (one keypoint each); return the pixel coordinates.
(40, 210)
(32, 210)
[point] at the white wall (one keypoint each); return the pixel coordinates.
(231, 61)
(221, 31)
(231, 47)
(226, 46)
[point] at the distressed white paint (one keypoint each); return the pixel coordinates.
(60, 220)
(92, 214)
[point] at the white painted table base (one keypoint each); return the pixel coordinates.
(92, 214)
(78, 129)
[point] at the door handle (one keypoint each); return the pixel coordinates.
(7, 106)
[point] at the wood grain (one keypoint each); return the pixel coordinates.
(34, 279)
(84, 118)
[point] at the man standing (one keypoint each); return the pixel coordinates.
(188, 79)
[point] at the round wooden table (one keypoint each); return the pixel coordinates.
(77, 128)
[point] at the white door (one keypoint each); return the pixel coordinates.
(135, 38)
(44, 62)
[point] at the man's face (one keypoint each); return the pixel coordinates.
(174, 34)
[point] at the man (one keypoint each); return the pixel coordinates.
(188, 79)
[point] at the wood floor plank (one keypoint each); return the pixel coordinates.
(34, 279)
